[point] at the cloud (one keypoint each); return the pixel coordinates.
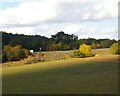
(106, 9)
(86, 11)
(98, 33)
(19, 30)
(28, 13)
(56, 11)
(12, 1)
(72, 28)
(46, 17)
(82, 31)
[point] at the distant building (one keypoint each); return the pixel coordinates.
(40, 48)
(31, 51)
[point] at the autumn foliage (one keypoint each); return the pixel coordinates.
(14, 53)
(115, 48)
(84, 51)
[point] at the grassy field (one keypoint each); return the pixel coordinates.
(94, 75)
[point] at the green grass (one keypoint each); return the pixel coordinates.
(94, 75)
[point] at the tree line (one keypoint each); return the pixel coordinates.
(17, 46)
(59, 41)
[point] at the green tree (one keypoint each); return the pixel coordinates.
(60, 46)
(107, 43)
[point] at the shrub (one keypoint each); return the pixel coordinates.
(32, 60)
(39, 57)
(0, 58)
(4, 57)
(14, 53)
(115, 48)
(24, 53)
(8, 53)
(86, 50)
(77, 54)
(95, 46)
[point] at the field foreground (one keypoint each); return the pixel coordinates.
(94, 75)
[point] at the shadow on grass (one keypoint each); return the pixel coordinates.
(93, 77)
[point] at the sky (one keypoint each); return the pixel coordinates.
(85, 18)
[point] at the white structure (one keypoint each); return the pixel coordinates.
(40, 48)
(31, 51)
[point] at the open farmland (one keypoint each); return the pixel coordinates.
(56, 55)
(94, 75)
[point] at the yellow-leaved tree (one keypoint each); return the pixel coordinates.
(86, 50)
(115, 48)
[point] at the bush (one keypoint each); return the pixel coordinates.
(95, 46)
(77, 54)
(8, 53)
(4, 57)
(32, 60)
(14, 53)
(0, 58)
(39, 57)
(86, 50)
(24, 53)
(115, 48)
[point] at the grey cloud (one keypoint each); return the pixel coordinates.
(68, 12)
(77, 11)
